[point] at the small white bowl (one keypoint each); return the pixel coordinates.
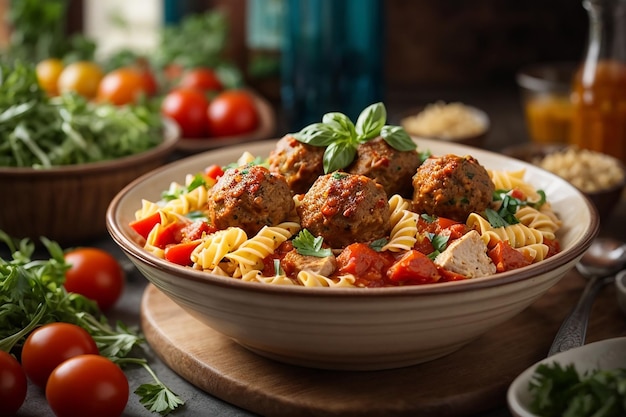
(620, 285)
(606, 354)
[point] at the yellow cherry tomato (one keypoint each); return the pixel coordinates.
(48, 72)
(82, 77)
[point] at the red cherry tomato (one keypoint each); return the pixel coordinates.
(47, 346)
(188, 107)
(13, 385)
(96, 274)
(232, 112)
(201, 78)
(87, 385)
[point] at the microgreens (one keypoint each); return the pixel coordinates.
(341, 136)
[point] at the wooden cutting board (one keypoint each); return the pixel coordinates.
(470, 381)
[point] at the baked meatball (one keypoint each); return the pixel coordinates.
(345, 208)
(249, 197)
(391, 168)
(298, 162)
(451, 186)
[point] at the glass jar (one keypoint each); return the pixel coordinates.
(599, 87)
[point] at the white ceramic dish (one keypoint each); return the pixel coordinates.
(607, 354)
(351, 328)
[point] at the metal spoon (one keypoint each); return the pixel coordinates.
(599, 264)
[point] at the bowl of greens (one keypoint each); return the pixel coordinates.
(584, 381)
(63, 158)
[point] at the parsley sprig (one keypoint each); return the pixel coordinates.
(341, 136)
(559, 390)
(308, 245)
(32, 294)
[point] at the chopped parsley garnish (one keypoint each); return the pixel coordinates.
(439, 242)
(308, 245)
(428, 218)
(378, 244)
(174, 193)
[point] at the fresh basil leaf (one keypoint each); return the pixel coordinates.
(428, 218)
(340, 123)
(370, 122)
(397, 138)
(317, 134)
(494, 219)
(338, 155)
(439, 242)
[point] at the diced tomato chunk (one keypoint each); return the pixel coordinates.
(195, 230)
(415, 268)
(367, 265)
(214, 171)
(554, 246)
(517, 193)
(507, 258)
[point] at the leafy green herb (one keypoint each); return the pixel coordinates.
(341, 137)
(439, 242)
(428, 218)
(378, 244)
(32, 294)
(308, 245)
(176, 191)
(541, 201)
(41, 132)
(494, 219)
(558, 390)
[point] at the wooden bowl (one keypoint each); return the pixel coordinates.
(265, 130)
(68, 203)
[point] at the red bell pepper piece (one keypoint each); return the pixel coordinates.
(166, 235)
(144, 226)
(180, 253)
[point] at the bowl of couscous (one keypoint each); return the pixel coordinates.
(601, 177)
(453, 122)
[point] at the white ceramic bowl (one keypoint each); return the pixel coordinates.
(606, 354)
(350, 328)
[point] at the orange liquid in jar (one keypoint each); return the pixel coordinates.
(549, 118)
(599, 113)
